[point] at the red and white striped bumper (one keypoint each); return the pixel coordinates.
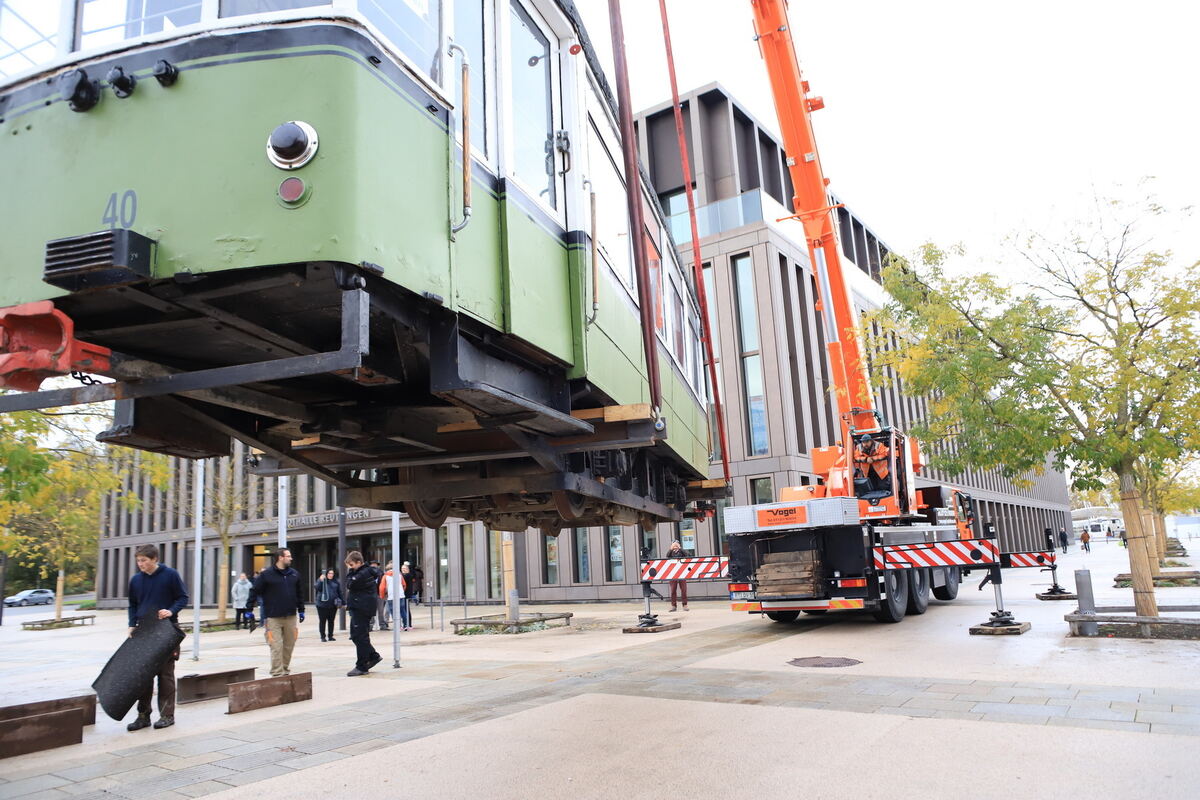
(957, 553)
(1035, 559)
(690, 569)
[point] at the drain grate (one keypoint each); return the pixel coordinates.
(824, 661)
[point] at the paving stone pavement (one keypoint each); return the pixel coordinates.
(248, 751)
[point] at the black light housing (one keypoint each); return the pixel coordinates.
(292, 145)
(122, 83)
(79, 92)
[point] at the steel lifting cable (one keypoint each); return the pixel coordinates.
(697, 269)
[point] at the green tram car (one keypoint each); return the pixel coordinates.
(250, 214)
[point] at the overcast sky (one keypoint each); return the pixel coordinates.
(959, 121)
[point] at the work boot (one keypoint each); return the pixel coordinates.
(142, 721)
(354, 673)
(332, 639)
(323, 639)
(164, 722)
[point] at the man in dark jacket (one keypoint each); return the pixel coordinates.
(362, 591)
(279, 589)
(156, 589)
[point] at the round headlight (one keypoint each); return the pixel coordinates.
(292, 145)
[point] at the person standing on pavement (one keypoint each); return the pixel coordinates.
(156, 589)
(677, 586)
(362, 593)
(411, 590)
(373, 564)
(385, 598)
(239, 593)
(417, 582)
(278, 587)
(1085, 539)
(328, 596)
(1062, 539)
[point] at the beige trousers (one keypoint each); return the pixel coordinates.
(282, 633)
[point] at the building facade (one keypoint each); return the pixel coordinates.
(773, 375)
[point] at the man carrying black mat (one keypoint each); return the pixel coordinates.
(156, 588)
(279, 589)
(362, 587)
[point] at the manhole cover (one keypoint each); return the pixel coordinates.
(824, 661)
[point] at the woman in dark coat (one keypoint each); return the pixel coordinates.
(328, 598)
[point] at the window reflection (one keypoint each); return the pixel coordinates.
(236, 8)
(28, 34)
(413, 26)
(105, 22)
(532, 106)
(468, 34)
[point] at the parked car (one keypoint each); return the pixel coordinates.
(31, 597)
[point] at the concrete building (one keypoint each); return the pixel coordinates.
(774, 381)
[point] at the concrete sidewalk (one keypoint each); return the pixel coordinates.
(713, 708)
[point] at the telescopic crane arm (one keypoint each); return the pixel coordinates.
(811, 202)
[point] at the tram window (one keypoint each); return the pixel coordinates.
(413, 26)
(106, 22)
(612, 216)
(469, 31)
(237, 8)
(532, 105)
(677, 335)
(28, 34)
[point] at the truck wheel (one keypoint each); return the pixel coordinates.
(892, 607)
(782, 616)
(918, 590)
(817, 611)
(950, 590)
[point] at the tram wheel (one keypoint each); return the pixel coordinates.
(428, 513)
(570, 505)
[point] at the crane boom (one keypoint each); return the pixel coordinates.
(811, 203)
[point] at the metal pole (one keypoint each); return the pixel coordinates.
(198, 514)
(396, 592)
(4, 579)
(283, 510)
(1087, 602)
(341, 564)
(442, 603)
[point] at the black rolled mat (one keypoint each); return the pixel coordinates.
(134, 665)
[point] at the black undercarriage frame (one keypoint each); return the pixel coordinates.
(384, 394)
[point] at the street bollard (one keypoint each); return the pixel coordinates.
(1087, 602)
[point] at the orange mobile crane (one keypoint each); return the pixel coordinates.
(866, 537)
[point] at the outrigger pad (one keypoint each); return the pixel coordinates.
(126, 675)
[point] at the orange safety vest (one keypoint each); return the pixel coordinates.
(871, 455)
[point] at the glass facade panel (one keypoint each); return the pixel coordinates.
(721, 543)
(583, 564)
(614, 554)
(647, 543)
(495, 565)
(549, 560)
(105, 22)
(467, 536)
(443, 560)
(531, 105)
(760, 491)
(28, 34)
(756, 405)
(413, 26)
(469, 28)
(743, 276)
(685, 531)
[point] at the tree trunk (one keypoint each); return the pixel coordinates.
(59, 585)
(1156, 555)
(1139, 559)
(1160, 527)
(222, 582)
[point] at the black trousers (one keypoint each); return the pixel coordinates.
(360, 634)
(325, 620)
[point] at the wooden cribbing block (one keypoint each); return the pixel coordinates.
(24, 735)
(267, 692)
(794, 555)
(84, 702)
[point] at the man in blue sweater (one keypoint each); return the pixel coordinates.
(156, 589)
(279, 588)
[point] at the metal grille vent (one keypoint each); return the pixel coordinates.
(98, 260)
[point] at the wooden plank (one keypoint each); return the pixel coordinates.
(84, 702)
(1131, 619)
(41, 732)
(196, 687)
(666, 626)
(795, 569)
(268, 692)
(708, 483)
(795, 555)
(626, 413)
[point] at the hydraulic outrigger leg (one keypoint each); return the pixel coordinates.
(1001, 621)
(1055, 592)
